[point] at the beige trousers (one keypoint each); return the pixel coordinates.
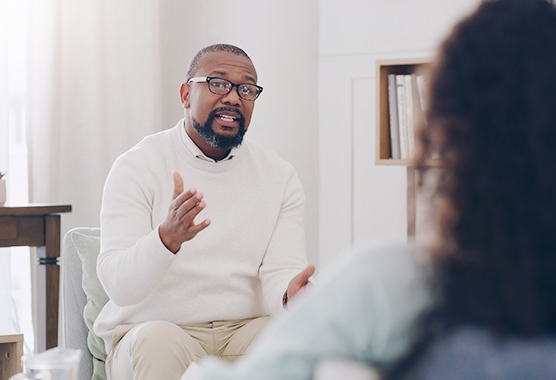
(162, 350)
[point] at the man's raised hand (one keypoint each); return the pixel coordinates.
(179, 225)
(298, 283)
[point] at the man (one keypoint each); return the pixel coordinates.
(180, 288)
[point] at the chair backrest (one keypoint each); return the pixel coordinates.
(74, 331)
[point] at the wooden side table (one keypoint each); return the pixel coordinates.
(11, 351)
(38, 225)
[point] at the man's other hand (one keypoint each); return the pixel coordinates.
(179, 225)
(299, 282)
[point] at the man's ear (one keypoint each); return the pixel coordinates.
(184, 94)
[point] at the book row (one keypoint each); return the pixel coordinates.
(405, 108)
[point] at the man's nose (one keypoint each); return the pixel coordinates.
(232, 97)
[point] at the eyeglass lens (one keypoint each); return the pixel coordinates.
(222, 87)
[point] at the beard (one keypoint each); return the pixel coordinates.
(217, 140)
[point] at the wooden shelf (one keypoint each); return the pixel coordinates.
(383, 68)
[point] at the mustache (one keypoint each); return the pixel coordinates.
(212, 114)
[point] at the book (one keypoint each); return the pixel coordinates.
(402, 116)
(421, 85)
(410, 112)
(417, 97)
(419, 116)
(393, 113)
(420, 80)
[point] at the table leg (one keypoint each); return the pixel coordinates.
(48, 286)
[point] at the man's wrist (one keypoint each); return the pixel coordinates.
(285, 299)
(168, 245)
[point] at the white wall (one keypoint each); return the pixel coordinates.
(358, 198)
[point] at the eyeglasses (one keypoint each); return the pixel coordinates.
(221, 86)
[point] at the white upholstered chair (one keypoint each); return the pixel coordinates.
(74, 332)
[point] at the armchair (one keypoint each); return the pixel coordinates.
(82, 299)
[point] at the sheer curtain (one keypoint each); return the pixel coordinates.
(15, 265)
(96, 87)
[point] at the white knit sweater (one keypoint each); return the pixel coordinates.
(238, 267)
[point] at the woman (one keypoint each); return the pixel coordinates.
(492, 120)
(488, 292)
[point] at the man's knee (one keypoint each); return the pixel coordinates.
(156, 341)
(155, 349)
(156, 334)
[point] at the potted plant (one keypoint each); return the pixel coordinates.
(3, 189)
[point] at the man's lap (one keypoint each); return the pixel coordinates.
(140, 350)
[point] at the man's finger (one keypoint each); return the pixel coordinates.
(303, 277)
(201, 226)
(300, 281)
(187, 201)
(188, 214)
(178, 184)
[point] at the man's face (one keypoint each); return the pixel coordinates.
(221, 120)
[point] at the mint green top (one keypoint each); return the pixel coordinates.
(361, 310)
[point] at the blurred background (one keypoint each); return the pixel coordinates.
(83, 81)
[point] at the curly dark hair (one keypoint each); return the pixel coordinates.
(491, 119)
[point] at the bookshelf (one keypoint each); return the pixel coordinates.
(385, 67)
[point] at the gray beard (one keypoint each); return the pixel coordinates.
(216, 140)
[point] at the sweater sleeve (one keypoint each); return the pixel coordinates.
(286, 255)
(133, 260)
(361, 311)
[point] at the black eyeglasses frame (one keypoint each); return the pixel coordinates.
(236, 85)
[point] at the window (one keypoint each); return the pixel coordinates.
(15, 263)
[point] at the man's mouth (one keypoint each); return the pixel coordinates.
(224, 128)
(228, 118)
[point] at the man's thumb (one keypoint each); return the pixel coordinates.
(303, 276)
(178, 184)
(308, 272)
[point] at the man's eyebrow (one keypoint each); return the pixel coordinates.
(223, 73)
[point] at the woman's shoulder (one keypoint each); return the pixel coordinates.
(372, 257)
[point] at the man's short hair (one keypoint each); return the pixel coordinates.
(194, 63)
